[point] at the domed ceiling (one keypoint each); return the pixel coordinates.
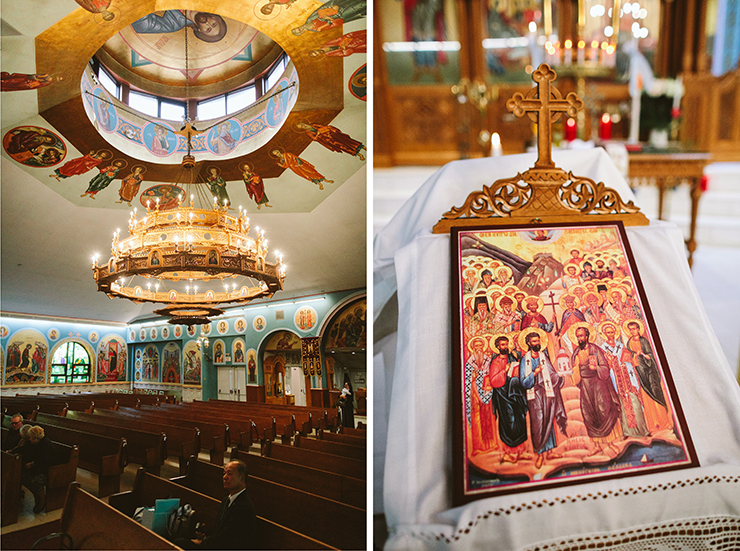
(84, 159)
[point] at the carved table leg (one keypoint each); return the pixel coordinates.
(695, 196)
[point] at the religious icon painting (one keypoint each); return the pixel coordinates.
(191, 363)
(205, 329)
(3, 331)
(25, 361)
(165, 332)
(34, 146)
(237, 351)
(112, 360)
(132, 335)
(177, 331)
(358, 83)
(259, 323)
(53, 334)
(93, 336)
(191, 330)
(142, 334)
(560, 376)
(219, 349)
(240, 325)
(252, 366)
(305, 318)
(171, 363)
(222, 327)
(153, 333)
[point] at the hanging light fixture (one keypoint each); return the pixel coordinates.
(178, 247)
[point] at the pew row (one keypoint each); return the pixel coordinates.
(333, 448)
(326, 520)
(148, 488)
(98, 454)
(343, 439)
(344, 489)
(323, 461)
(90, 524)
(11, 488)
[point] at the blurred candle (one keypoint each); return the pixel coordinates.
(496, 150)
(593, 53)
(570, 130)
(581, 52)
(605, 128)
(568, 58)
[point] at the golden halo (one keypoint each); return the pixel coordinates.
(572, 290)
(104, 153)
(120, 161)
(508, 271)
(538, 300)
(467, 269)
(583, 263)
(142, 167)
(620, 291)
(523, 335)
(511, 290)
(562, 298)
(590, 285)
(609, 323)
(302, 121)
(491, 291)
(593, 293)
(626, 330)
(497, 336)
(468, 299)
(499, 299)
(246, 164)
(218, 170)
(573, 328)
(576, 265)
(481, 338)
(279, 149)
(627, 290)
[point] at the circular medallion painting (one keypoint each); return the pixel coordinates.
(305, 318)
(168, 195)
(165, 332)
(159, 139)
(3, 331)
(224, 137)
(93, 337)
(240, 324)
(105, 113)
(259, 323)
(222, 327)
(358, 83)
(132, 335)
(191, 330)
(53, 334)
(142, 334)
(34, 146)
(178, 331)
(153, 333)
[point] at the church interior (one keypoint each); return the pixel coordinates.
(661, 89)
(184, 197)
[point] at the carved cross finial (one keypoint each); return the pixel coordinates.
(544, 104)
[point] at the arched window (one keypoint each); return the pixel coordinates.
(70, 364)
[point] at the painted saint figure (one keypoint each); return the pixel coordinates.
(332, 138)
(160, 145)
(130, 185)
(217, 185)
(13, 82)
(255, 186)
(238, 353)
(23, 141)
(103, 180)
(98, 6)
(599, 401)
(354, 42)
(546, 409)
(300, 167)
(268, 8)
(221, 141)
(333, 13)
(207, 27)
(480, 418)
(80, 165)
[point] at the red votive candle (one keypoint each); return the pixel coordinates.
(605, 128)
(570, 130)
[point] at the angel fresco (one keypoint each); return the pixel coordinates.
(80, 165)
(332, 138)
(332, 14)
(255, 186)
(300, 167)
(103, 180)
(207, 27)
(560, 376)
(354, 42)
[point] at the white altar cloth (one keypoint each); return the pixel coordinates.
(414, 263)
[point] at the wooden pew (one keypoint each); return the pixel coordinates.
(182, 442)
(146, 448)
(98, 454)
(61, 475)
(343, 439)
(333, 448)
(91, 524)
(148, 488)
(362, 433)
(11, 487)
(344, 489)
(308, 418)
(326, 520)
(324, 461)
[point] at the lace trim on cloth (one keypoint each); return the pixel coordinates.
(593, 496)
(718, 533)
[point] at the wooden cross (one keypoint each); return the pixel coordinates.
(544, 104)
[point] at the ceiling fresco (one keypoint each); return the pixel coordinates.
(75, 163)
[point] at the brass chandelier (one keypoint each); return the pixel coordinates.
(189, 245)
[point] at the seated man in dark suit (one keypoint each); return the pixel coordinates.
(14, 434)
(236, 522)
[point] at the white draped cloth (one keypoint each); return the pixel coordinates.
(696, 508)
